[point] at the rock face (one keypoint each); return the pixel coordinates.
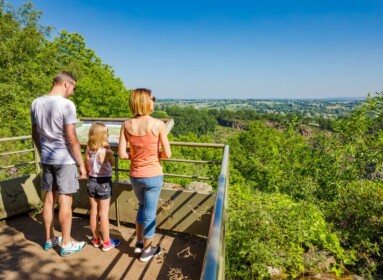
(192, 186)
(199, 187)
(173, 186)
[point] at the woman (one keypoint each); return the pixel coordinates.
(148, 143)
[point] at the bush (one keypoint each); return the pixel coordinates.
(357, 217)
(272, 231)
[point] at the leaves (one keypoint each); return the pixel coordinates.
(29, 60)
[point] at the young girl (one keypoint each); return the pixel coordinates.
(99, 161)
(144, 135)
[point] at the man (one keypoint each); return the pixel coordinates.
(54, 133)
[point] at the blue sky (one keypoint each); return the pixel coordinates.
(232, 49)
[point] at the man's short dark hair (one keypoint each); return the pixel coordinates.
(62, 77)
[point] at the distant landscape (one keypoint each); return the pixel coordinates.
(327, 107)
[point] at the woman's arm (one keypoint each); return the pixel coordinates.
(163, 134)
(122, 143)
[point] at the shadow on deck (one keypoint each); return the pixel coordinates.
(22, 255)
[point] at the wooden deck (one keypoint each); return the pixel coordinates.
(22, 255)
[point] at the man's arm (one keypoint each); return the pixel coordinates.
(75, 148)
(36, 137)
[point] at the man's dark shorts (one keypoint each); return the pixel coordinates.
(61, 178)
(100, 187)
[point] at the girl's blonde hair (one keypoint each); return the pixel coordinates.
(139, 103)
(98, 136)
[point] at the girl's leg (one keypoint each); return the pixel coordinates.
(103, 210)
(94, 226)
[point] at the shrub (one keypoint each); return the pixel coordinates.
(357, 217)
(272, 231)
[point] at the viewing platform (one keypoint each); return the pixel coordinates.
(190, 224)
(23, 257)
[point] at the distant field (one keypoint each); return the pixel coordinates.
(306, 107)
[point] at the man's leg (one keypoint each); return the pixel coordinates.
(48, 213)
(65, 216)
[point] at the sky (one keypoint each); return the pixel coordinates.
(232, 49)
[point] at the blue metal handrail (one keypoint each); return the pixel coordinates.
(214, 262)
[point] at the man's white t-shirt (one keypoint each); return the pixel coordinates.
(51, 113)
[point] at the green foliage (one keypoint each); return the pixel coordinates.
(339, 172)
(190, 120)
(357, 217)
(159, 114)
(22, 56)
(361, 139)
(273, 160)
(272, 231)
(29, 61)
(96, 80)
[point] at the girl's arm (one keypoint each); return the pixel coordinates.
(163, 134)
(87, 160)
(122, 143)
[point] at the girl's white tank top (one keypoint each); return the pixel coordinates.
(96, 168)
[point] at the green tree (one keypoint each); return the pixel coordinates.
(23, 67)
(29, 59)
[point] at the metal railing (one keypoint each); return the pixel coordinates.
(214, 262)
(117, 169)
(33, 149)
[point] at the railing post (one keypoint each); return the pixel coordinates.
(117, 179)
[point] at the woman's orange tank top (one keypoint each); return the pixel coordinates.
(145, 160)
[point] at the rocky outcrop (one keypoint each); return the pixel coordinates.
(173, 186)
(199, 187)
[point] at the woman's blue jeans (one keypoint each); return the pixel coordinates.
(147, 191)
